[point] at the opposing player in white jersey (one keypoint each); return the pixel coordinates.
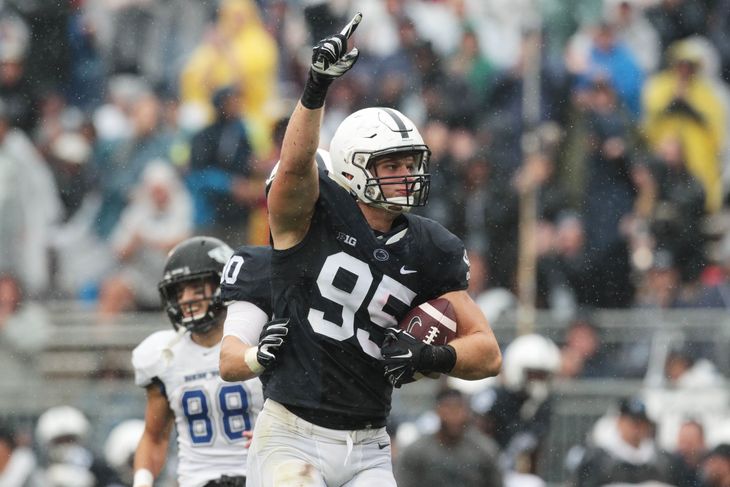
(179, 369)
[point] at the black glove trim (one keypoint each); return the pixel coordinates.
(404, 356)
(315, 91)
(440, 359)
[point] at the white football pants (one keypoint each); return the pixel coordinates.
(288, 451)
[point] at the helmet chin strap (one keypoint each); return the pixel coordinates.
(397, 202)
(392, 205)
(383, 202)
(387, 206)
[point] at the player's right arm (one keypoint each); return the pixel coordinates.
(250, 342)
(474, 353)
(477, 351)
(149, 366)
(295, 189)
(152, 449)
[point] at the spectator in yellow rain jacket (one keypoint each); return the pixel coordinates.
(682, 101)
(238, 51)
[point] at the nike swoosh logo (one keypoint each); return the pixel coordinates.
(406, 355)
(403, 270)
(383, 445)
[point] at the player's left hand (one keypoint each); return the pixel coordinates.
(329, 56)
(402, 356)
(271, 339)
(330, 60)
(248, 434)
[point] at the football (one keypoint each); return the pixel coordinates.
(432, 322)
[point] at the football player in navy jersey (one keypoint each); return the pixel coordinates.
(204, 284)
(348, 262)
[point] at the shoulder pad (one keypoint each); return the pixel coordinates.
(247, 277)
(147, 358)
(437, 244)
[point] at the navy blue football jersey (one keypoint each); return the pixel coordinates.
(247, 277)
(341, 287)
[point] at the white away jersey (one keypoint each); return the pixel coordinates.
(210, 414)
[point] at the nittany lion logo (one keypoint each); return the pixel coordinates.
(381, 255)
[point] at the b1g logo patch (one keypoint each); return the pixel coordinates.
(348, 239)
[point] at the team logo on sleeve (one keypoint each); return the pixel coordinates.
(468, 266)
(221, 254)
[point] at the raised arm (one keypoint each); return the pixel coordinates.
(295, 189)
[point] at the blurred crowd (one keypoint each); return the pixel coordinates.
(57, 452)
(496, 432)
(672, 434)
(128, 126)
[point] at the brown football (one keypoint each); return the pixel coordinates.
(432, 322)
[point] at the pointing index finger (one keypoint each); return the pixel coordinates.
(350, 28)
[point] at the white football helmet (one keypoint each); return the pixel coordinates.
(371, 133)
(68, 475)
(59, 422)
(120, 446)
(526, 353)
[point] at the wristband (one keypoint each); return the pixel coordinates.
(143, 478)
(253, 363)
(315, 91)
(438, 359)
